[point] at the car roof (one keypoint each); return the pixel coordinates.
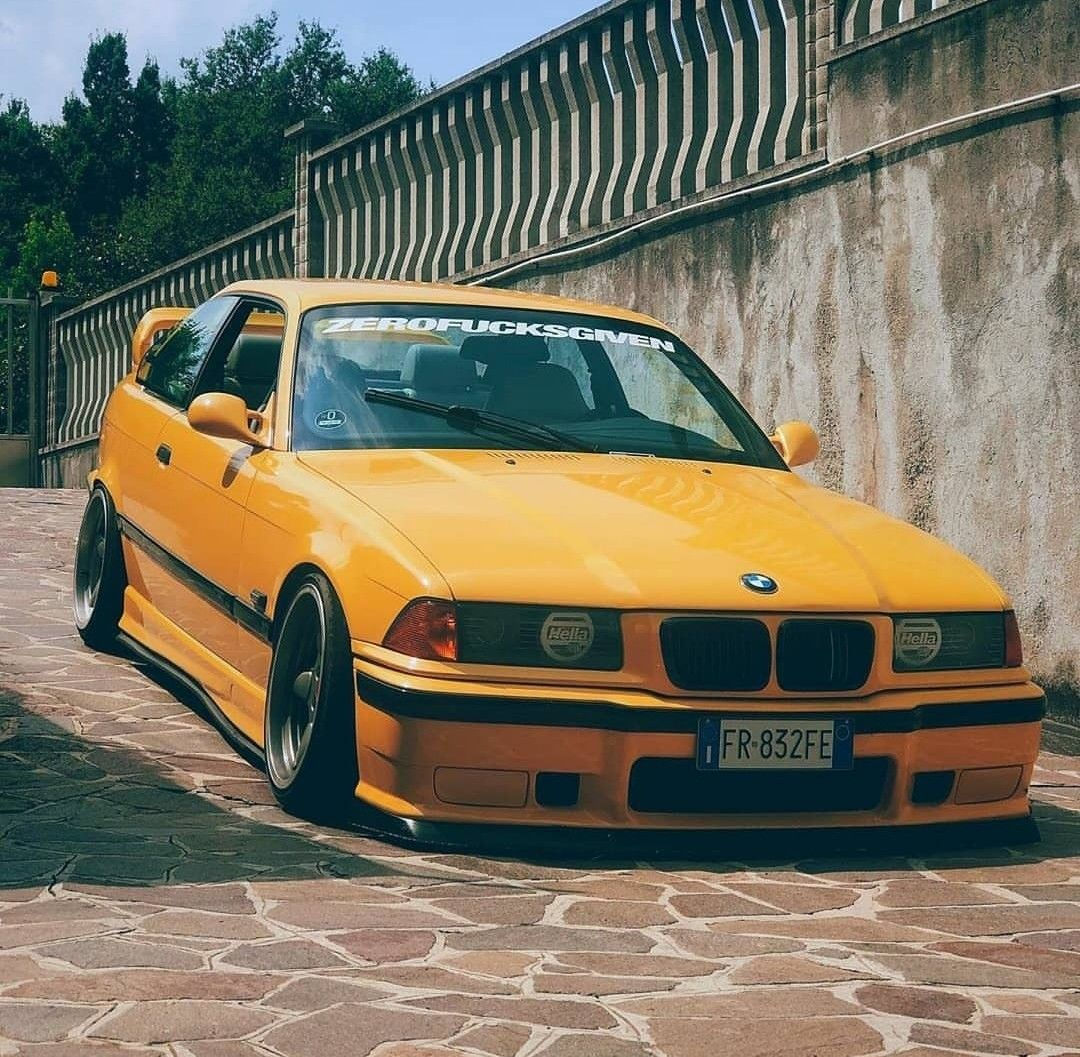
(303, 294)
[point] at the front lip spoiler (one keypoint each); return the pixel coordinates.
(568, 844)
(604, 715)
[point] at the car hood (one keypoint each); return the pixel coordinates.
(635, 532)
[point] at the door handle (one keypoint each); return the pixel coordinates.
(164, 454)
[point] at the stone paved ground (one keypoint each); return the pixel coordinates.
(153, 900)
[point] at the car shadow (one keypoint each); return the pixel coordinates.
(76, 810)
(1051, 833)
(79, 811)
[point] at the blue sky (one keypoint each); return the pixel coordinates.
(43, 42)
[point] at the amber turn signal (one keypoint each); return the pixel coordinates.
(425, 628)
(1014, 650)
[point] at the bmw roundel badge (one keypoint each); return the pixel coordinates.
(759, 582)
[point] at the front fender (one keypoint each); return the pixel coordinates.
(298, 518)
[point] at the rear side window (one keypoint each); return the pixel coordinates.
(170, 369)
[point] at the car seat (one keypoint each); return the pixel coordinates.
(438, 373)
(522, 383)
(251, 368)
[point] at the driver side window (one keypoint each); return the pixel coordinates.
(244, 362)
(170, 368)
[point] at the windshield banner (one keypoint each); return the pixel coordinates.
(441, 325)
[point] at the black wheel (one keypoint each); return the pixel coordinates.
(310, 724)
(100, 577)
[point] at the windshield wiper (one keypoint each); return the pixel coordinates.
(476, 420)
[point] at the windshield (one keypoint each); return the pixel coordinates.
(588, 383)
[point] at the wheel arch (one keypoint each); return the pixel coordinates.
(293, 578)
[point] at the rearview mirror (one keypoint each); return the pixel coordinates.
(797, 443)
(227, 416)
(152, 325)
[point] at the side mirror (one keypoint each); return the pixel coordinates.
(227, 416)
(152, 325)
(797, 443)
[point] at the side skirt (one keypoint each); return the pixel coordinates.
(237, 740)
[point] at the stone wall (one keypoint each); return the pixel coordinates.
(920, 306)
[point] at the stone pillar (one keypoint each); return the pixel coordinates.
(820, 40)
(306, 137)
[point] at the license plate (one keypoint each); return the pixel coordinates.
(775, 743)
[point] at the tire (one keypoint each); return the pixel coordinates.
(100, 577)
(310, 721)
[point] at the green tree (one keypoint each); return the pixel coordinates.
(139, 173)
(152, 124)
(229, 166)
(48, 243)
(28, 180)
(94, 142)
(381, 84)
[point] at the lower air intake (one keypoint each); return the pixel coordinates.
(676, 786)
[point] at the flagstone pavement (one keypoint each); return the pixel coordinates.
(154, 900)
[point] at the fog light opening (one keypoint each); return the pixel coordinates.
(932, 787)
(557, 788)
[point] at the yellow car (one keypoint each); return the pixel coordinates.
(461, 555)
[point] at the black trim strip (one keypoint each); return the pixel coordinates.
(604, 715)
(251, 619)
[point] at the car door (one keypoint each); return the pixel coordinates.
(161, 387)
(206, 482)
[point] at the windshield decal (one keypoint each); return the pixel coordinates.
(331, 418)
(501, 327)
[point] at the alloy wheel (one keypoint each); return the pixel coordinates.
(296, 683)
(90, 558)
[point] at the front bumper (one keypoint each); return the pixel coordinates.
(438, 750)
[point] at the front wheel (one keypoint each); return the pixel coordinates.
(100, 578)
(310, 725)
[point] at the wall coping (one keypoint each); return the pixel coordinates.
(700, 202)
(67, 445)
(953, 7)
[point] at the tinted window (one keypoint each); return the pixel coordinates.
(170, 369)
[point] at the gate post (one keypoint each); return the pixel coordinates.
(33, 399)
(47, 362)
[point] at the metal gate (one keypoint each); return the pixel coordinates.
(18, 391)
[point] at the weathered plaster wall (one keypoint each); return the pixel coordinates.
(957, 60)
(924, 313)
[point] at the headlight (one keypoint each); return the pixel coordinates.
(943, 641)
(518, 635)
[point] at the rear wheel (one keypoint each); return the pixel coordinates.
(310, 725)
(100, 578)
